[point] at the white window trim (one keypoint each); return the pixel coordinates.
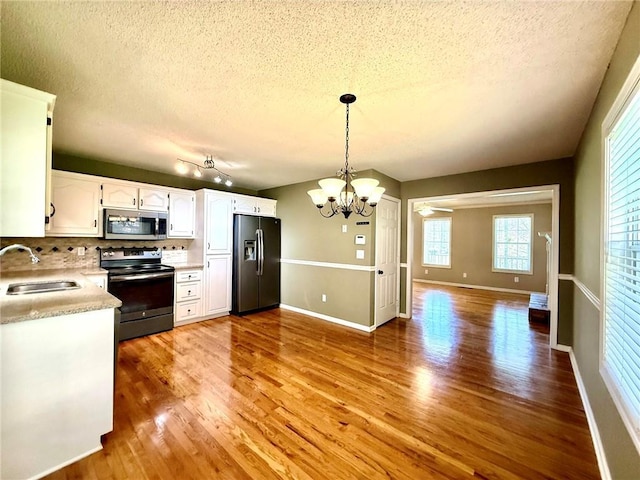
(432, 265)
(631, 84)
(493, 245)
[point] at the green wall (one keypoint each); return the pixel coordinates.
(622, 456)
(308, 237)
(472, 248)
(551, 172)
(101, 168)
(528, 175)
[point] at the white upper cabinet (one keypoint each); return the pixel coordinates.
(130, 197)
(119, 195)
(266, 207)
(153, 199)
(182, 214)
(75, 205)
(25, 164)
(246, 204)
(218, 223)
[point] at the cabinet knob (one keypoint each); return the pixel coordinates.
(188, 292)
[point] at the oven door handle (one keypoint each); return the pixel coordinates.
(124, 278)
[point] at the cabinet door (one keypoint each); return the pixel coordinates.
(217, 289)
(182, 214)
(119, 196)
(99, 280)
(26, 159)
(153, 199)
(266, 207)
(76, 200)
(219, 224)
(244, 204)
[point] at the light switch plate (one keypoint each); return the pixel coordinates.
(344, 229)
(360, 254)
(361, 240)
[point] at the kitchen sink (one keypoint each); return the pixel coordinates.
(41, 287)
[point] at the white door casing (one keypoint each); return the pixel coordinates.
(387, 289)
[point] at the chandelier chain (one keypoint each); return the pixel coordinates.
(346, 146)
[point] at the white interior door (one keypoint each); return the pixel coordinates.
(387, 260)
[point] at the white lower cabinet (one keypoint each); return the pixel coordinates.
(217, 284)
(188, 296)
(57, 391)
(99, 279)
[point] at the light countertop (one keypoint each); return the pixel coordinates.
(19, 308)
(185, 265)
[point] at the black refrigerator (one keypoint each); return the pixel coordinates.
(256, 263)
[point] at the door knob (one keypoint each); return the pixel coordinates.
(380, 272)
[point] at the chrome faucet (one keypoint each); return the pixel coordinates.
(17, 246)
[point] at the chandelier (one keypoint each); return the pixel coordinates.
(346, 194)
(208, 164)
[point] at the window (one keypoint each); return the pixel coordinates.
(512, 238)
(436, 242)
(620, 309)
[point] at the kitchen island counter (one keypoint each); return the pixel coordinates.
(32, 306)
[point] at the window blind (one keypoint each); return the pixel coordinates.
(621, 348)
(436, 242)
(512, 236)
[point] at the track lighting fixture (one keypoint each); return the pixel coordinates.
(208, 164)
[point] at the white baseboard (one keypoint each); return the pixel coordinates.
(479, 287)
(562, 348)
(322, 316)
(605, 474)
(181, 323)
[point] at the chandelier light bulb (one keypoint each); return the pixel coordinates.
(228, 182)
(197, 172)
(217, 179)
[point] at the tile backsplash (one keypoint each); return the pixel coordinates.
(62, 252)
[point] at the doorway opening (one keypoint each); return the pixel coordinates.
(489, 199)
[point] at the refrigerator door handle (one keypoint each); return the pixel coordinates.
(260, 252)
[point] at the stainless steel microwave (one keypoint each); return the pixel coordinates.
(134, 225)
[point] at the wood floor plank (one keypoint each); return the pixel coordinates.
(467, 388)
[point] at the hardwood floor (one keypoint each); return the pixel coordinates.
(465, 389)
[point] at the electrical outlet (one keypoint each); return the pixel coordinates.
(81, 251)
(516, 279)
(324, 297)
(426, 271)
(464, 275)
(344, 229)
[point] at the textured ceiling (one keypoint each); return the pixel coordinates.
(442, 87)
